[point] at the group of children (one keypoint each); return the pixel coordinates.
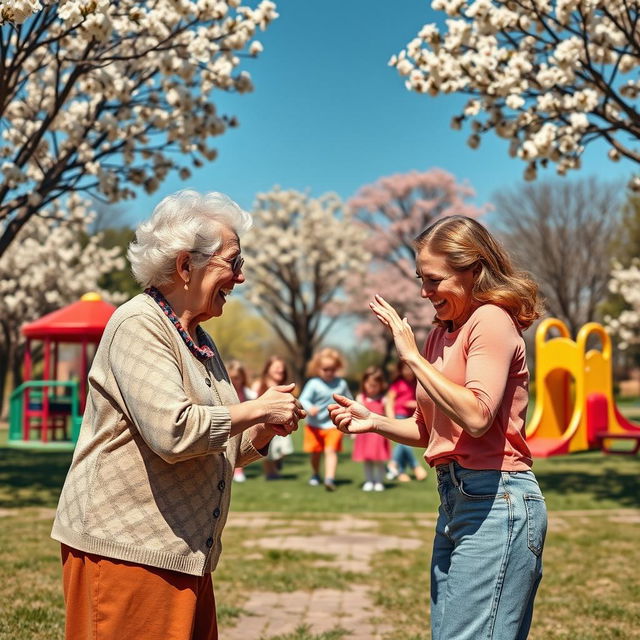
(321, 438)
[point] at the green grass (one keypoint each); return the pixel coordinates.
(588, 480)
(591, 588)
(581, 481)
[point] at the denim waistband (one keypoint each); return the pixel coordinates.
(453, 469)
(449, 469)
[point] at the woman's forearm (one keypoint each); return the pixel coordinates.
(457, 402)
(402, 430)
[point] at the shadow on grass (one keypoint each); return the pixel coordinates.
(31, 478)
(612, 485)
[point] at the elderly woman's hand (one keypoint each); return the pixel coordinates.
(279, 406)
(282, 429)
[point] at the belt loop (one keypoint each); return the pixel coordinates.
(453, 475)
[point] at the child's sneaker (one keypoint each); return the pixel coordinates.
(314, 481)
(378, 486)
(329, 484)
(392, 471)
(367, 486)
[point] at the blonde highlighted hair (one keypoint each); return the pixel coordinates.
(466, 244)
(313, 368)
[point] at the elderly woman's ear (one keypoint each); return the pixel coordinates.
(183, 267)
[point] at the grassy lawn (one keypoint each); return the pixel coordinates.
(591, 589)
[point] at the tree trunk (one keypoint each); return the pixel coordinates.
(4, 369)
(5, 357)
(302, 358)
(16, 357)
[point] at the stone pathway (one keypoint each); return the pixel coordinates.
(352, 542)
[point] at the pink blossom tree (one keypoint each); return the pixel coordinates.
(395, 209)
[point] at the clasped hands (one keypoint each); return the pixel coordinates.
(282, 411)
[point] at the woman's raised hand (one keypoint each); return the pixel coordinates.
(400, 328)
(351, 416)
(279, 406)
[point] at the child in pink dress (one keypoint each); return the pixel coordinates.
(372, 448)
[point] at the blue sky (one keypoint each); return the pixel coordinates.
(328, 114)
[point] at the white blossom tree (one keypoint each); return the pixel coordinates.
(47, 267)
(625, 281)
(101, 96)
(551, 77)
(298, 256)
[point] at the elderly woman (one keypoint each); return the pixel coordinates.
(147, 495)
(471, 407)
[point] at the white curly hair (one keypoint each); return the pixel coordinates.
(184, 221)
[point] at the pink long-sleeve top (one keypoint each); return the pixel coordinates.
(487, 356)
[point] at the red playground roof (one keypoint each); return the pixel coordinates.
(85, 319)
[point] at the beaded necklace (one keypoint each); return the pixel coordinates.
(202, 353)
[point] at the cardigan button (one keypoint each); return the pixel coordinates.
(221, 485)
(216, 512)
(209, 542)
(208, 382)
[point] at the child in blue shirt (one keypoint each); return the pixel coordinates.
(320, 434)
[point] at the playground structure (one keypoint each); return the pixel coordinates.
(37, 407)
(575, 408)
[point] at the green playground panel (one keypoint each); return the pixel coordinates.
(16, 409)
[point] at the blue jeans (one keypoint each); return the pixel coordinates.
(404, 457)
(487, 554)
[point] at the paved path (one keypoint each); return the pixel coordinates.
(352, 542)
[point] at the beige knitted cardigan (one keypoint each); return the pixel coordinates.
(151, 474)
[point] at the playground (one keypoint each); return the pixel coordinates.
(366, 564)
(573, 408)
(303, 564)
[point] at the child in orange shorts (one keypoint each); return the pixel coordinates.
(320, 435)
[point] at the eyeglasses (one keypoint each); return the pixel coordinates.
(236, 262)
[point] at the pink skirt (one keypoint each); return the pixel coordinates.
(371, 447)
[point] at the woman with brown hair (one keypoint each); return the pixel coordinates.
(472, 402)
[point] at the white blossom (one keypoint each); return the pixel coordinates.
(298, 256)
(626, 283)
(18, 11)
(104, 97)
(550, 76)
(49, 266)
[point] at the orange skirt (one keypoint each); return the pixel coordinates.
(109, 599)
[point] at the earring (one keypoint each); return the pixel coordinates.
(186, 285)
